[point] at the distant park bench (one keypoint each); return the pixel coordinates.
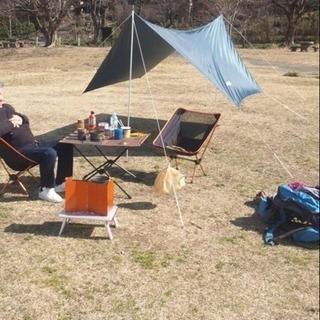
(295, 47)
(303, 46)
(12, 43)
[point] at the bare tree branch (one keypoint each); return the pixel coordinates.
(46, 15)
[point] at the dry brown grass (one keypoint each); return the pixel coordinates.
(217, 266)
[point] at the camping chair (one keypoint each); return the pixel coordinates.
(12, 160)
(186, 136)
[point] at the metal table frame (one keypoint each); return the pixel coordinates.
(102, 169)
(107, 219)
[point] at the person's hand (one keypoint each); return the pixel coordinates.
(16, 121)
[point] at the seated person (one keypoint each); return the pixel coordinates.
(15, 129)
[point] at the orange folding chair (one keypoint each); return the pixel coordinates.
(186, 136)
(16, 165)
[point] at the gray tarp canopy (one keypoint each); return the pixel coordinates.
(208, 48)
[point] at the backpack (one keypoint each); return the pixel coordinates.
(291, 212)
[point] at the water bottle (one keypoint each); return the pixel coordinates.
(92, 121)
(108, 132)
(114, 120)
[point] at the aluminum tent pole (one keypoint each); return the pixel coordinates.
(130, 72)
(130, 69)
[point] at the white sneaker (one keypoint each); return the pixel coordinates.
(49, 194)
(61, 187)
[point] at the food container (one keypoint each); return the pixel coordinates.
(118, 133)
(96, 135)
(82, 135)
(126, 132)
(80, 124)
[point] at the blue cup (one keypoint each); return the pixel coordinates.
(118, 133)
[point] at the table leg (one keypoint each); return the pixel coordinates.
(83, 156)
(65, 220)
(107, 226)
(111, 162)
(102, 169)
(116, 223)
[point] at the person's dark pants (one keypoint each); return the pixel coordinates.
(45, 153)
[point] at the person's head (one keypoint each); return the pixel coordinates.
(1, 93)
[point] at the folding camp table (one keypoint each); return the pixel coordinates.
(124, 144)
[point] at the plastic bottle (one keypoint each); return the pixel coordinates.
(92, 122)
(107, 131)
(114, 120)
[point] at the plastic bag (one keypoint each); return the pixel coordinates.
(167, 180)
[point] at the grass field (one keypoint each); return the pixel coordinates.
(216, 265)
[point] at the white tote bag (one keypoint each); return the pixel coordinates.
(167, 180)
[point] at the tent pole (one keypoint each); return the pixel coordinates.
(130, 69)
(130, 72)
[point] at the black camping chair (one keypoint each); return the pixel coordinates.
(14, 161)
(187, 135)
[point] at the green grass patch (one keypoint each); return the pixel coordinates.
(151, 260)
(292, 74)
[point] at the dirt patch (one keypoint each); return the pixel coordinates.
(304, 70)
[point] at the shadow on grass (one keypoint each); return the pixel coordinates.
(45, 229)
(142, 205)
(52, 228)
(14, 193)
(251, 204)
(251, 223)
(146, 178)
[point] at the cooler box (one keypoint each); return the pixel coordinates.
(88, 197)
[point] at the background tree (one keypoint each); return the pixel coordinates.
(7, 16)
(294, 10)
(139, 4)
(237, 13)
(46, 15)
(255, 21)
(97, 10)
(170, 14)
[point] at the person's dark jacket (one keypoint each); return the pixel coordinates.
(16, 136)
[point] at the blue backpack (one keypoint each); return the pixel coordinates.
(291, 212)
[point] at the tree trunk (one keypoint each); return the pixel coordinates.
(96, 26)
(290, 33)
(293, 10)
(51, 39)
